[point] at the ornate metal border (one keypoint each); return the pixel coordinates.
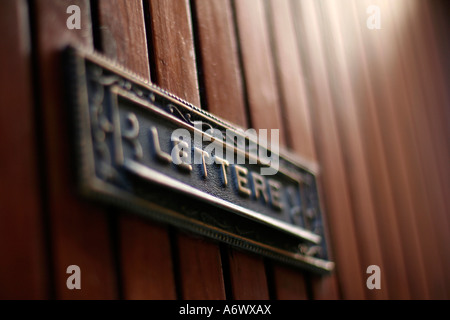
(87, 76)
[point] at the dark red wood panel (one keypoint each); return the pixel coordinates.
(290, 283)
(145, 253)
(415, 95)
(248, 276)
(176, 71)
(297, 121)
(434, 28)
(146, 260)
(387, 100)
(200, 269)
(370, 107)
(374, 162)
(23, 272)
(258, 66)
(123, 34)
(428, 134)
(79, 231)
(344, 110)
(435, 71)
(174, 49)
(225, 98)
(336, 195)
(263, 99)
(220, 61)
(290, 79)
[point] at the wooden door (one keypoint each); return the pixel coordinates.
(370, 107)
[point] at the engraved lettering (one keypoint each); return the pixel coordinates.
(128, 133)
(132, 134)
(241, 180)
(275, 194)
(223, 163)
(259, 187)
(74, 21)
(215, 147)
(179, 155)
(202, 154)
(160, 155)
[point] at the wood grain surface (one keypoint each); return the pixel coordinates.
(291, 284)
(370, 107)
(199, 262)
(23, 267)
(144, 247)
(334, 182)
(79, 231)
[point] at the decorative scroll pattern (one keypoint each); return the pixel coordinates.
(303, 210)
(101, 126)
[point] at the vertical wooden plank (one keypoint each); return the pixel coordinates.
(368, 231)
(199, 261)
(145, 254)
(263, 103)
(436, 40)
(403, 124)
(344, 110)
(291, 79)
(123, 34)
(289, 283)
(258, 68)
(146, 260)
(379, 53)
(436, 20)
(200, 269)
(337, 198)
(418, 93)
(22, 270)
(220, 61)
(225, 98)
(248, 276)
(173, 48)
(377, 168)
(79, 231)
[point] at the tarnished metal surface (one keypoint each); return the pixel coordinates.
(126, 155)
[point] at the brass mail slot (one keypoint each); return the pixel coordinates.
(145, 150)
